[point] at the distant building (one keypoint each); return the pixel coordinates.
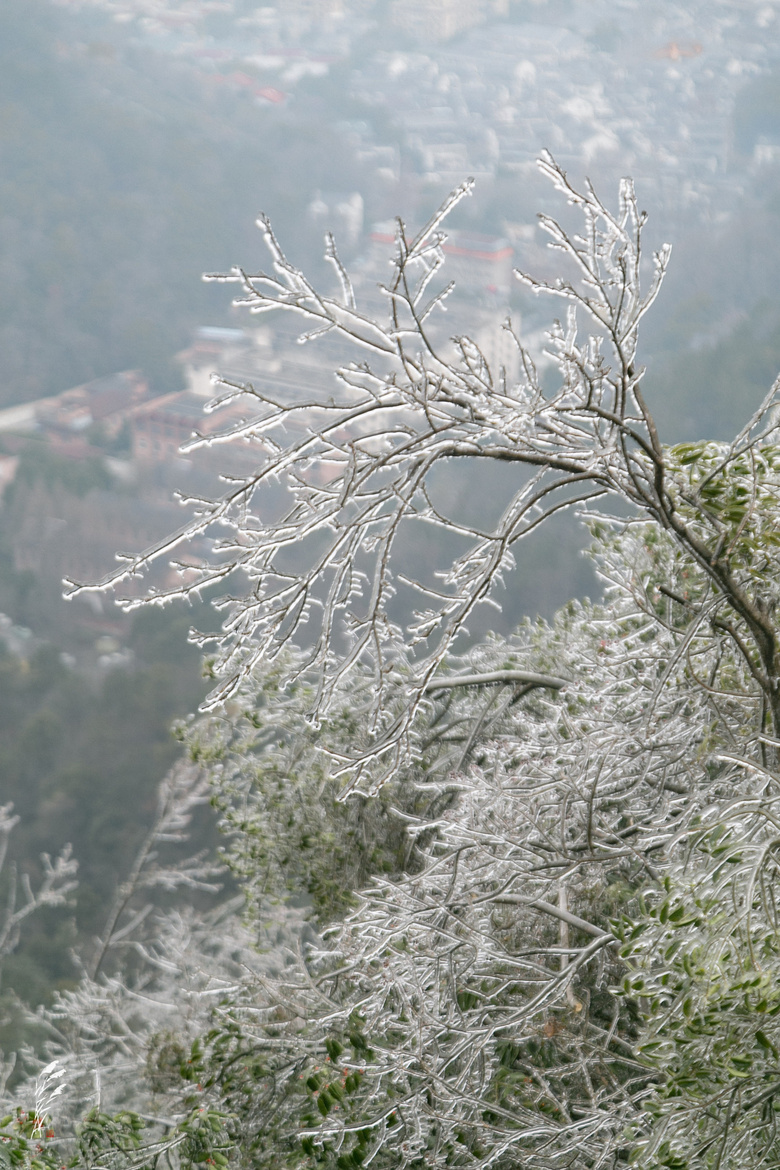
(231, 352)
(446, 161)
(766, 152)
(267, 358)
(340, 213)
(160, 429)
(381, 245)
(676, 50)
(162, 425)
(106, 401)
(499, 347)
(479, 263)
(485, 326)
(438, 20)
(316, 9)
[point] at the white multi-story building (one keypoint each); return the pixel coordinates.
(438, 20)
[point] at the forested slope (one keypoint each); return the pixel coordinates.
(121, 180)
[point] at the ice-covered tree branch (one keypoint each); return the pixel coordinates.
(357, 469)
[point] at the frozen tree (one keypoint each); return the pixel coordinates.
(585, 918)
(357, 468)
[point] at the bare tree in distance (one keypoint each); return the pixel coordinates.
(359, 467)
(57, 882)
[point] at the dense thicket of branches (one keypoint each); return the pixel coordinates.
(551, 939)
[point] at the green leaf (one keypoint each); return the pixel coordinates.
(333, 1049)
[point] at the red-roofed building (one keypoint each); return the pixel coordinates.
(267, 93)
(107, 401)
(479, 263)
